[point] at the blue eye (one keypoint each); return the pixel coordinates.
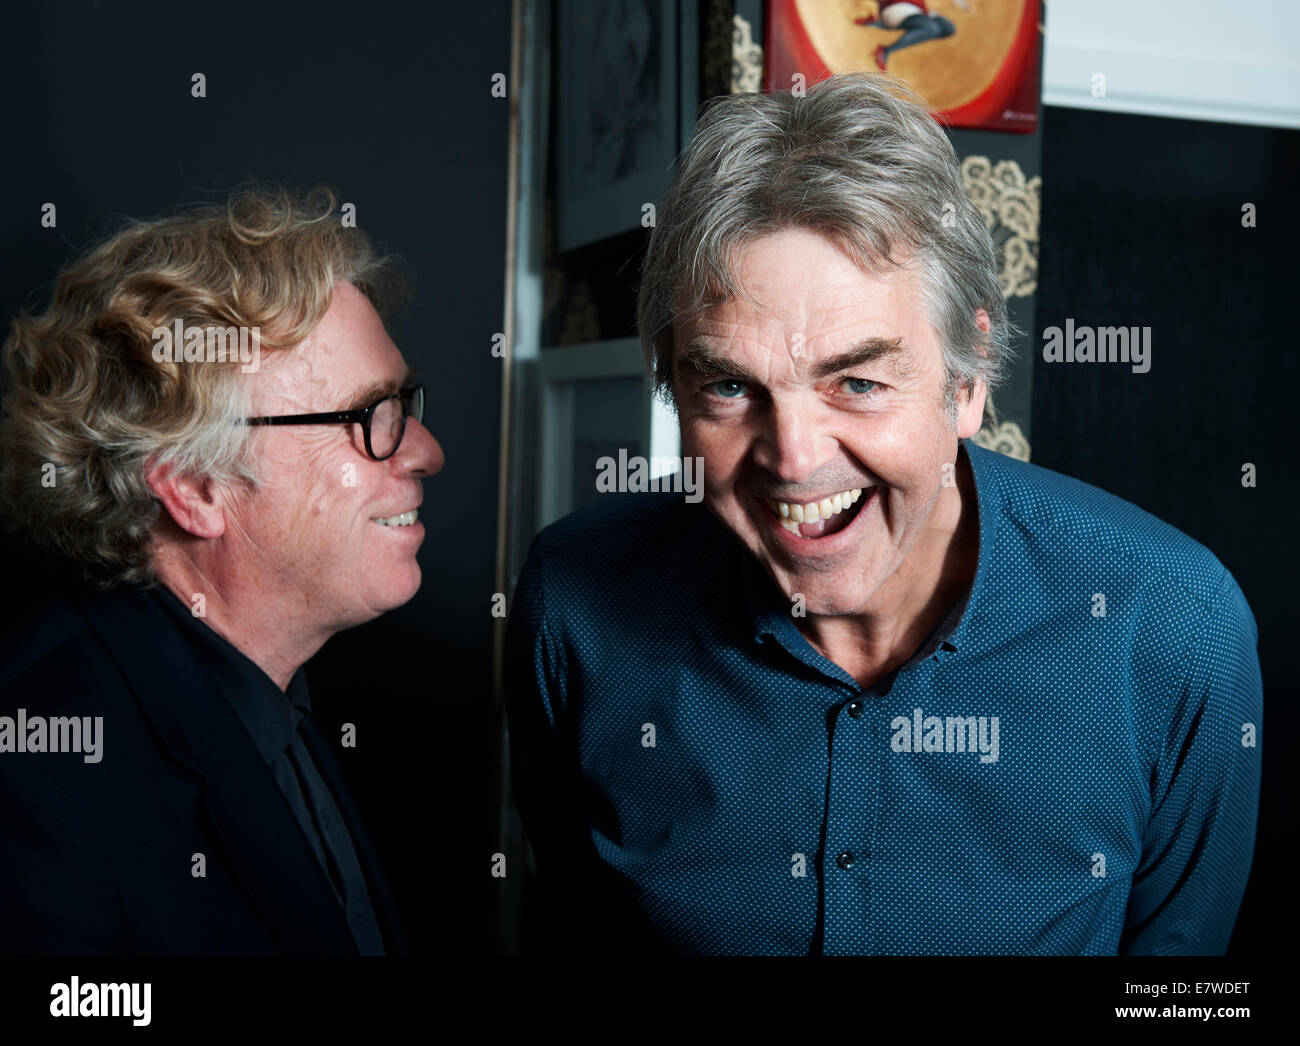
(726, 389)
(861, 386)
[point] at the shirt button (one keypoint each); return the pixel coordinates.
(845, 860)
(855, 709)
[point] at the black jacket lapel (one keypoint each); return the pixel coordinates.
(380, 899)
(261, 838)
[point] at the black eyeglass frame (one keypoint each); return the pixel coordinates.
(412, 399)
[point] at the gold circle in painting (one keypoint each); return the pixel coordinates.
(950, 72)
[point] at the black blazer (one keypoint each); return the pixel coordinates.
(95, 858)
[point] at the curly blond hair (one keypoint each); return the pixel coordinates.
(89, 407)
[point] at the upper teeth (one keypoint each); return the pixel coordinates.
(815, 510)
(404, 520)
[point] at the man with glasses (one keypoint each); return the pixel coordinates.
(163, 788)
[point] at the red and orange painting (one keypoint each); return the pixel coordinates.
(975, 61)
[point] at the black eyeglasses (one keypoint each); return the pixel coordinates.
(383, 422)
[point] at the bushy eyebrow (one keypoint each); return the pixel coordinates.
(889, 351)
(366, 396)
(708, 363)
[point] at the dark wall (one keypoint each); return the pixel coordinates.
(1142, 225)
(391, 104)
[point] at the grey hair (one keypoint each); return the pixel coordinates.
(858, 158)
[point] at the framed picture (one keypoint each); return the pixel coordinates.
(595, 403)
(976, 62)
(627, 86)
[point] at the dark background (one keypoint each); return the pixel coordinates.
(1142, 227)
(391, 105)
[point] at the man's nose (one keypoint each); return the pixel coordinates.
(788, 443)
(419, 453)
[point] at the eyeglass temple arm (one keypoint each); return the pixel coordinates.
(410, 392)
(308, 419)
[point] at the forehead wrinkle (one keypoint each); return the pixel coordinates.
(822, 321)
(307, 384)
(287, 382)
(363, 397)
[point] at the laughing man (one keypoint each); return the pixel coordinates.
(892, 693)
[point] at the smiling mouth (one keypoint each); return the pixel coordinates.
(402, 519)
(818, 519)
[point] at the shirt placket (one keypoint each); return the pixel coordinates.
(852, 809)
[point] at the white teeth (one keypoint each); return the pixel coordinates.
(406, 519)
(792, 514)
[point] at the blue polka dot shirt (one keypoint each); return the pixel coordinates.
(1069, 764)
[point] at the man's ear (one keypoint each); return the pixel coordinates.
(194, 502)
(971, 396)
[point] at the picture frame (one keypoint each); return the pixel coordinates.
(574, 436)
(976, 62)
(622, 116)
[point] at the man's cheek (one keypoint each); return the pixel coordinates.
(694, 439)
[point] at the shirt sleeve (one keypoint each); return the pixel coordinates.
(577, 904)
(543, 765)
(535, 690)
(1200, 838)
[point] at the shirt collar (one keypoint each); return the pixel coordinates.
(986, 469)
(769, 611)
(271, 716)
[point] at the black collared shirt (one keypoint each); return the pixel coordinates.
(272, 718)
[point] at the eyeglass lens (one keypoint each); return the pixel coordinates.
(386, 426)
